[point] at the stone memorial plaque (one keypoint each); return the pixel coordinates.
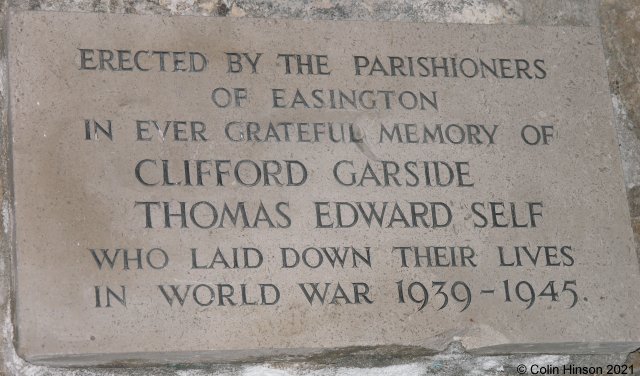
(221, 189)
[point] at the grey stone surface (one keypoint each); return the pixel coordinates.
(74, 195)
(620, 38)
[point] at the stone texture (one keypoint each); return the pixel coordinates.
(621, 32)
(560, 12)
(74, 195)
(621, 27)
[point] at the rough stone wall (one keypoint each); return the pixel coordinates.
(619, 21)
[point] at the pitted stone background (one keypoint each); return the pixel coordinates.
(619, 21)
